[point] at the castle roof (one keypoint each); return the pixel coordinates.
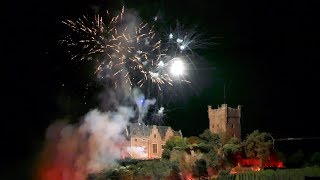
(162, 130)
(142, 130)
(138, 129)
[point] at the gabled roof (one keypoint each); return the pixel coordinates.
(142, 130)
(162, 130)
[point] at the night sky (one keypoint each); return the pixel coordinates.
(264, 53)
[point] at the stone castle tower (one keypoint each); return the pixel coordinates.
(225, 120)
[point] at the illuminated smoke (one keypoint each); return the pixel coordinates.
(74, 151)
(137, 151)
(142, 104)
(93, 145)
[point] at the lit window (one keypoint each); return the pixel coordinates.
(154, 149)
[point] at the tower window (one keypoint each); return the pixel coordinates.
(135, 140)
(212, 126)
(232, 126)
(155, 136)
(217, 125)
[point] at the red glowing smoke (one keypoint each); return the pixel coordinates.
(71, 152)
(62, 158)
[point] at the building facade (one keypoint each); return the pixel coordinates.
(225, 120)
(147, 142)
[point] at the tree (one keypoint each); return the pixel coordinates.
(315, 159)
(175, 172)
(155, 168)
(175, 142)
(257, 145)
(281, 156)
(210, 141)
(193, 140)
(211, 145)
(166, 153)
(209, 137)
(230, 149)
(200, 168)
(214, 160)
(184, 160)
(296, 160)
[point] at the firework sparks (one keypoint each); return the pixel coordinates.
(130, 50)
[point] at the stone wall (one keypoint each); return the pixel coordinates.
(225, 120)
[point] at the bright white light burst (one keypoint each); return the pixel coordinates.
(160, 111)
(177, 67)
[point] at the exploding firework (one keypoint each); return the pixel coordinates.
(128, 50)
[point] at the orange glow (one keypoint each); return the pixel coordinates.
(187, 175)
(249, 162)
(254, 164)
(52, 168)
(246, 162)
(233, 171)
(271, 162)
(256, 168)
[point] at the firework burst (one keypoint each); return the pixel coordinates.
(128, 50)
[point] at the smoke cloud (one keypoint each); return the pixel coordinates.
(142, 103)
(72, 151)
(137, 151)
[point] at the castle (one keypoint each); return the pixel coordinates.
(147, 142)
(225, 120)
